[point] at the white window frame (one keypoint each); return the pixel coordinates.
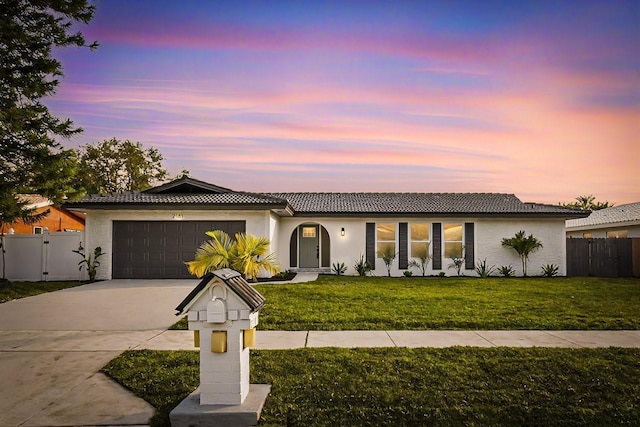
(445, 241)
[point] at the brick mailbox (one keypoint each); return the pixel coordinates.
(223, 313)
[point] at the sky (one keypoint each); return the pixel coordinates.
(536, 98)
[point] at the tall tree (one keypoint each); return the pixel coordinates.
(587, 203)
(114, 166)
(31, 158)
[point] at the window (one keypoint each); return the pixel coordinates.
(37, 230)
(419, 240)
(453, 240)
(386, 234)
(587, 235)
(620, 234)
(308, 232)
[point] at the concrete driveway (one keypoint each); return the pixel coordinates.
(52, 346)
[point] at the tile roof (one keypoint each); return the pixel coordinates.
(34, 200)
(135, 198)
(416, 203)
(198, 194)
(614, 215)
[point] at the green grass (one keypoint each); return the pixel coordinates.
(15, 290)
(397, 386)
(380, 303)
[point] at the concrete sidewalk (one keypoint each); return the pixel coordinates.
(285, 340)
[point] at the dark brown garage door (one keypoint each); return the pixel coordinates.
(158, 249)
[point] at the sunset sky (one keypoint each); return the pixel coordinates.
(540, 98)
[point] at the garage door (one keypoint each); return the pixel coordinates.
(158, 249)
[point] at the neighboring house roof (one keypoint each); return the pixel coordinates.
(190, 193)
(234, 281)
(34, 201)
(615, 216)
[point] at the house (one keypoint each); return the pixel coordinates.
(58, 219)
(152, 233)
(614, 222)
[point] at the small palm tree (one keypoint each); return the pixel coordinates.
(523, 245)
(249, 249)
(242, 255)
(423, 258)
(388, 254)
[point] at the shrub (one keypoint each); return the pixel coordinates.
(361, 266)
(550, 270)
(283, 274)
(339, 268)
(91, 262)
(408, 273)
(456, 263)
(483, 269)
(506, 271)
(442, 274)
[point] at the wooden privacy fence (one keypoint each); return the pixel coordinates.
(603, 257)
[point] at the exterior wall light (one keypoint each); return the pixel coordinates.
(342, 231)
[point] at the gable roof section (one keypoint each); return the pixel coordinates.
(186, 193)
(236, 283)
(622, 215)
(441, 204)
(187, 185)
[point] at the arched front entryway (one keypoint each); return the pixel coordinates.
(310, 247)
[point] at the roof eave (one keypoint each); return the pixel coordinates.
(169, 206)
(547, 215)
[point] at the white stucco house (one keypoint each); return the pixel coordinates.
(614, 222)
(151, 234)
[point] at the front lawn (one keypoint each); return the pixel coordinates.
(380, 303)
(399, 386)
(14, 290)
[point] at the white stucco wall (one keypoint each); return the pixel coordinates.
(348, 248)
(488, 237)
(99, 226)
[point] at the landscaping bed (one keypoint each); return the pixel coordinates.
(398, 386)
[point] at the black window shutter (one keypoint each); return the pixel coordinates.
(370, 244)
(403, 256)
(469, 253)
(326, 247)
(437, 246)
(293, 249)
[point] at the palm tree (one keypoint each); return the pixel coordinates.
(423, 258)
(523, 245)
(249, 249)
(242, 255)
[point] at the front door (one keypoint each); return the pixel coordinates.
(309, 246)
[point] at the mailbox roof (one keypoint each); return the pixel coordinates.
(234, 281)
